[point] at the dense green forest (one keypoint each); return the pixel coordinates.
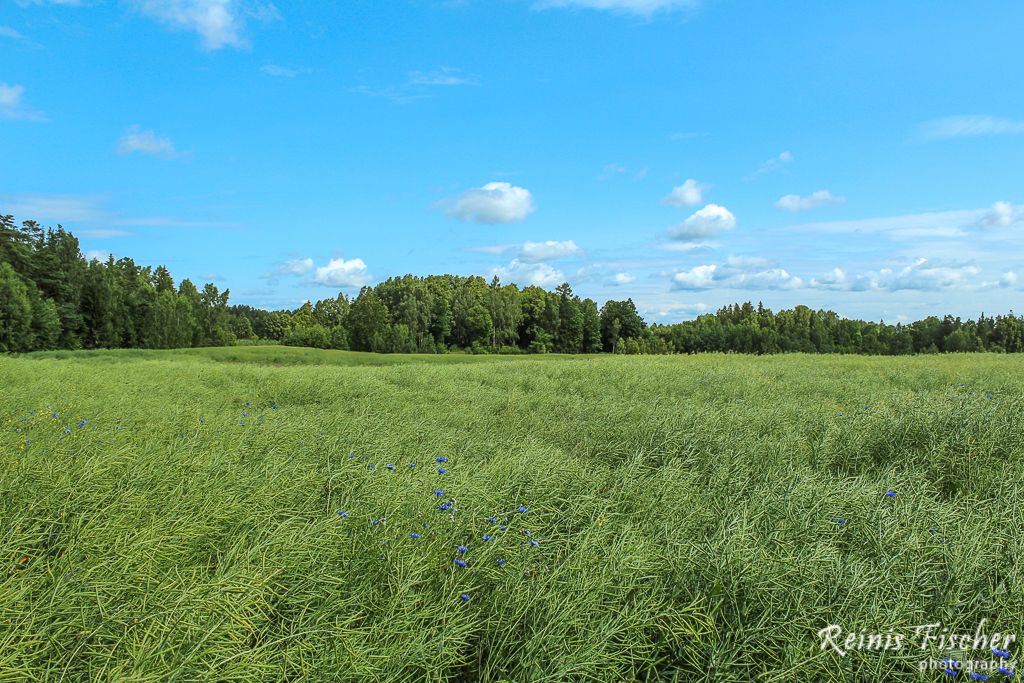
(51, 297)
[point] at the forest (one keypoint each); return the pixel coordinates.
(52, 297)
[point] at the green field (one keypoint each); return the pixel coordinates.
(174, 515)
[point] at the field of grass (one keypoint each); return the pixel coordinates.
(273, 514)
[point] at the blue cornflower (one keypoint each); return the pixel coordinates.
(526, 532)
(840, 521)
(244, 414)
(465, 597)
(375, 522)
(1003, 670)
(492, 520)
(445, 505)
(933, 531)
(82, 423)
(413, 534)
(1000, 653)
(352, 457)
(949, 672)
(390, 467)
(460, 563)
(891, 494)
(488, 538)
(342, 514)
(370, 466)
(438, 492)
(441, 458)
(988, 394)
(273, 406)
(463, 549)
(534, 543)
(67, 431)
(55, 416)
(441, 470)
(412, 466)
(501, 562)
(503, 528)
(978, 676)
(522, 509)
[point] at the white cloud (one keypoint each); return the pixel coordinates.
(444, 76)
(420, 85)
(97, 255)
(135, 139)
(623, 278)
(282, 71)
(698, 277)
(497, 202)
(10, 95)
(610, 171)
(794, 203)
(920, 275)
(774, 164)
(525, 274)
(1008, 279)
(102, 233)
(8, 32)
(219, 23)
(50, 208)
(298, 266)
(12, 104)
(341, 273)
(710, 221)
(690, 193)
(549, 250)
(1001, 215)
(736, 273)
(923, 225)
(969, 126)
(643, 8)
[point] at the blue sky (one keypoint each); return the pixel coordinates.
(863, 156)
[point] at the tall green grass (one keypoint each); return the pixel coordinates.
(685, 512)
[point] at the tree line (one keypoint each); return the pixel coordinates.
(51, 297)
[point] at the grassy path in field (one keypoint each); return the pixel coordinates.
(176, 514)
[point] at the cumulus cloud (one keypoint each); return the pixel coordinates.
(968, 126)
(97, 255)
(736, 273)
(219, 23)
(298, 266)
(525, 274)
(497, 202)
(136, 140)
(623, 278)
(13, 106)
(1001, 215)
(710, 221)
(549, 250)
(690, 193)
(794, 203)
(642, 8)
(341, 273)
(920, 275)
